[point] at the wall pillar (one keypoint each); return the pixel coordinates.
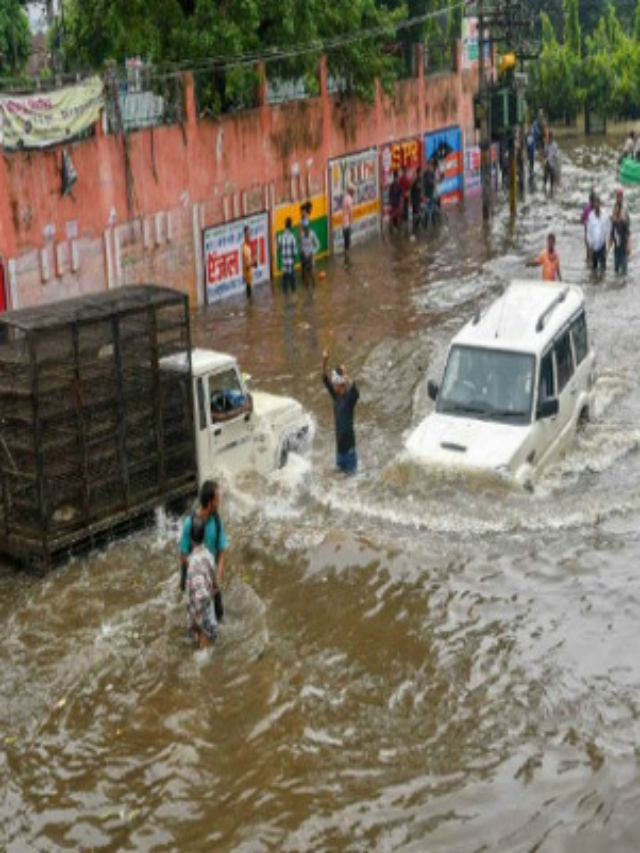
(325, 99)
(190, 106)
(422, 92)
(8, 247)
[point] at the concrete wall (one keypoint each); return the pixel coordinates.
(138, 208)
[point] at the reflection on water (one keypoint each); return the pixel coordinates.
(410, 661)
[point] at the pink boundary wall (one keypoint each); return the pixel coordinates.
(188, 178)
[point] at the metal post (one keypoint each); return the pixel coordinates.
(513, 172)
(485, 141)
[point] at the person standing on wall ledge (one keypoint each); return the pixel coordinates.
(345, 396)
(249, 263)
(347, 219)
(215, 539)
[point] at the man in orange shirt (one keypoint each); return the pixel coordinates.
(549, 260)
(248, 262)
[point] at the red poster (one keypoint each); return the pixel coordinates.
(395, 157)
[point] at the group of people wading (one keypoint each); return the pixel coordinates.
(203, 542)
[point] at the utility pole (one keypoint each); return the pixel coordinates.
(485, 140)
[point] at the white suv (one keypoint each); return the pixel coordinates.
(519, 379)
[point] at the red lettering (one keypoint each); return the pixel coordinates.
(221, 267)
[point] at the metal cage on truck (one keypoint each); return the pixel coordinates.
(92, 432)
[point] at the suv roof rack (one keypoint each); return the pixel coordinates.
(550, 309)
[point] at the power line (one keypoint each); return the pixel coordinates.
(275, 54)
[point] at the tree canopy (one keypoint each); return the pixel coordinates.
(212, 36)
(589, 60)
(15, 38)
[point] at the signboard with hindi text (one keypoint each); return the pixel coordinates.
(361, 170)
(223, 256)
(395, 157)
(49, 118)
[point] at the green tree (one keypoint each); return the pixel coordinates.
(598, 68)
(221, 39)
(97, 31)
(572, 35)
(636, 23)
(625, 63)
(358, 64)
(555, 76)
(15, 38)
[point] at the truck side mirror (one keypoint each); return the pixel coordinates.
(548, 408)
(432, 389)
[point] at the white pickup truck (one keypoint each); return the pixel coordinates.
(107, 412)
(237, 430)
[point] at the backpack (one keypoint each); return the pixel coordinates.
(216, 551)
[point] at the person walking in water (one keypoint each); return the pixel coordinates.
(620, 237)
(215, 538)
(249, 263)
(347, 220)
(201, 586)
(584, 218)
(395, 201)
(531, 150)
(549, 260)
(345, 395)
(288, 248)
(309, 247)
(551, 158)
(416, 198)
(598, 232)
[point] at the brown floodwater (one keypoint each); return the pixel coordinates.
(409, 662)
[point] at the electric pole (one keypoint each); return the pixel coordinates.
(485, 140)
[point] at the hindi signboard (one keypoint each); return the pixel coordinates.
(50, 118)
(394, 157)
(361, 170)
(223, 256)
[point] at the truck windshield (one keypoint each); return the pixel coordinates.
(488, 384)
(226, 395)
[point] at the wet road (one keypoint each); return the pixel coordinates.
(409, 663)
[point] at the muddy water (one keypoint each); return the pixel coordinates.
(409, 663)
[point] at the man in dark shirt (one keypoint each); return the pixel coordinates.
(345, 395)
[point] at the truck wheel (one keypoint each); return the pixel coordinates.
(583, 419)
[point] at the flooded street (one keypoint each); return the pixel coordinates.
(409, 662)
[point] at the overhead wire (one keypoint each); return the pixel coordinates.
(279, 54)
(276, 54)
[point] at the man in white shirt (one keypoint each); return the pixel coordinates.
(598, 232)
(629, 147)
